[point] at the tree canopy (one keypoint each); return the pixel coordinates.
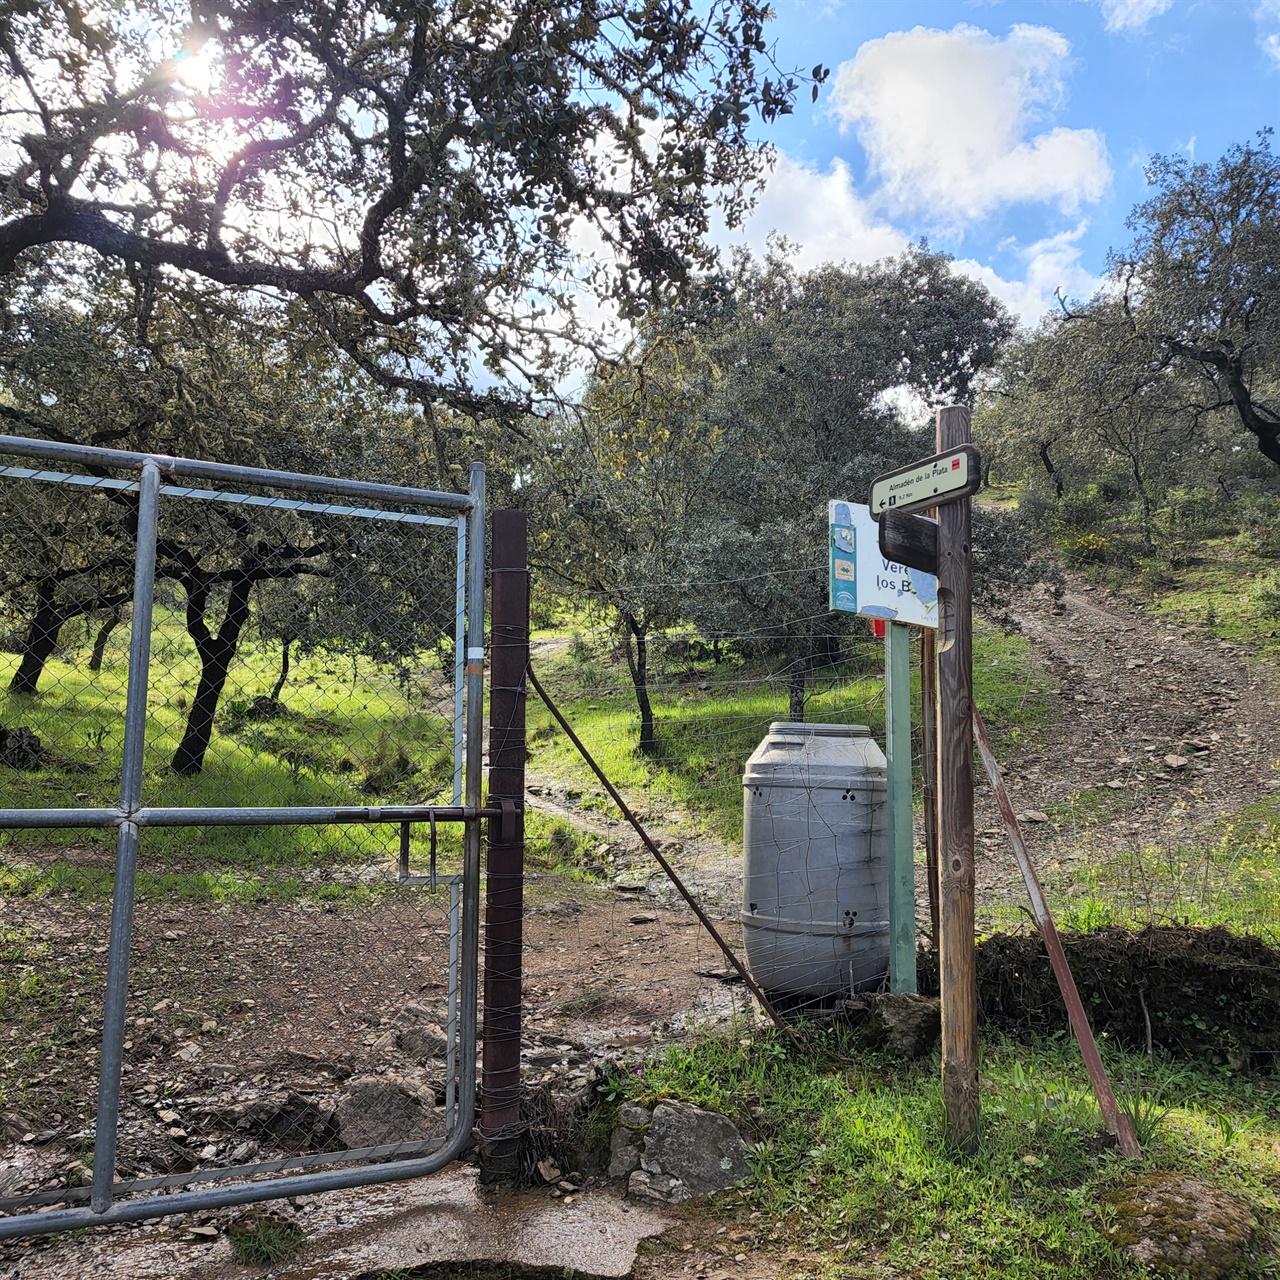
(419, 175)
(694, 485)
(1200, 286)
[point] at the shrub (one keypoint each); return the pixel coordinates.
(1265, 593)
(1259, 520)
(1087, 548)
(1080, 510)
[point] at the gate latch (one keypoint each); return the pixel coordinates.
(507, 823)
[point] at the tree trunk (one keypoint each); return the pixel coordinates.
(216, 653)
(1255, 418)
(40, 641)
(1145, 498)
(215, 661)
(638, 664)
(285, 643)
(1054, 474)
(798, 692)
(100, 642)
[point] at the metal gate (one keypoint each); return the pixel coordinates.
(308, 861)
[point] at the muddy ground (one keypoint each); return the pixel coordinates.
(231, 1004)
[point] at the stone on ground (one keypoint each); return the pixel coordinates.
(906, 1025)
(1179, 1226)
(688, 1152)
(379, 1110)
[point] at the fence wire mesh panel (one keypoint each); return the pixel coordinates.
(614, 955)
(239, 794)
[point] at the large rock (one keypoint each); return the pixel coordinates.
(625, 1150)
(20, 748)
(419, 1035)
(1179, 1226)
(627, 1142)
(279, 1119)
(377, 1111)
(688, 1152)
(904, 1025)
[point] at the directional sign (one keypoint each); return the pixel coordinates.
(931, 482)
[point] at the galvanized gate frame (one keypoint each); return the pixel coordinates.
(131, 816)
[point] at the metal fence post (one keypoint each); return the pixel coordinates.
(902, 875)
(500, 1125)
(474, 784)
(135, 728)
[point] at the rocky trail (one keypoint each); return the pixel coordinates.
(1159, 732)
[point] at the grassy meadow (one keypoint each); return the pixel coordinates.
(350, 734)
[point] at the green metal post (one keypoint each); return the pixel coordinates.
(902, 874)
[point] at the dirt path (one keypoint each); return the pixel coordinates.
(1159, 731)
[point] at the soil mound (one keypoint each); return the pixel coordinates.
(1195, 993)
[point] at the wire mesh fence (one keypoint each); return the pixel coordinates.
(1129, 747)
(234, 782)
(614, 955)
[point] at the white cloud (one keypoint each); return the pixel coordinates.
(821, 213)
(1131, 15)
(1267, 15)
(1051, 264)
(946, 118)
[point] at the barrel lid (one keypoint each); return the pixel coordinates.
(820, 730)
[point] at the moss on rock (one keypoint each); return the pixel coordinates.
(1179, 1226)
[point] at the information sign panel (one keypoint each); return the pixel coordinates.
(864, 581)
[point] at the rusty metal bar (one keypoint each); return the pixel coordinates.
(500, 1119)
(743, 972)
(1116, 1121)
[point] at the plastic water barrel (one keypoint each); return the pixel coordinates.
(816, 877)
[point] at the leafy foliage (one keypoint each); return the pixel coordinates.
(418, 176)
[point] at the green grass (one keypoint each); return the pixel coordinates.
(1215, 592)
(705, 734)
(850, 1162)
(265, 1239)
(1232, 880)
(1089, 805)
(353, 735)
(1210, 585)
(1230, 877)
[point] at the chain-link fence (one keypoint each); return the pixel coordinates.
(240, 756)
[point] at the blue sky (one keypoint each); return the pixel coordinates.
(1012, 133)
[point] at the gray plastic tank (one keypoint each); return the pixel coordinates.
(816, 877)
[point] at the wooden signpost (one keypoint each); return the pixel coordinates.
(946, 481)
(956, 969)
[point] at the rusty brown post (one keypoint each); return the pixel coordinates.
(957, 976)
(500, 1120)
(1116, 1121)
